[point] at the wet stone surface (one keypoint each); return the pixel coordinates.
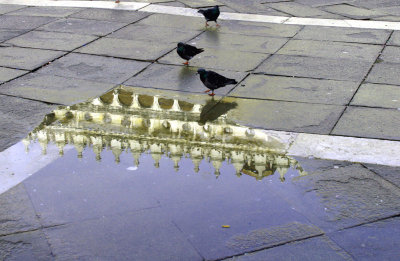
(109, 193)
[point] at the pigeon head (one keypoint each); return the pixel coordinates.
(201, 71)
(180, 44)
(201, 11)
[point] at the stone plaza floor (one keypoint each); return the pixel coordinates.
(165, 172)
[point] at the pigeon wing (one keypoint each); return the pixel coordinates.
(218, 80)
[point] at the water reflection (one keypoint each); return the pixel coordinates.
(127, 121)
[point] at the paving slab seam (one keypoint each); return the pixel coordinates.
(362, 82)
(300, 77)
(381, 176)
(155, 8)
(29, 99)
(268, 247)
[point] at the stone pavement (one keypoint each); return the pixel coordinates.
(321, 80)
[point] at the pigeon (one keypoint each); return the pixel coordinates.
(213, 80)
(210, 14)
(187, 52)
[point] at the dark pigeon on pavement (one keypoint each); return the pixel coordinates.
(210, 14)
(187, 52)
(213, 80)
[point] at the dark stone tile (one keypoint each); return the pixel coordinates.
(371, 241)
(18, 117)
(6, 34)
(49, 11)
(143, 235)
(317, 248)
(7, 74)
(10, 8)
(25, 246)
(94, 68)
(385, 73)
(389, 173)
(17, 213)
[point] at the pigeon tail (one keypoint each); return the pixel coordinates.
(231, 81)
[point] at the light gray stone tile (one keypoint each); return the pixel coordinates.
(130, 49)
(220, 59)
(387, 73)
(322, 68)
(369, 123)
(154, 33)
(51, 40)
(9, 8)
(7, 74)
(331, 50)
(352, 11)
(94, 68)
(48, 11)
(300, 10)
(82, 26)
(296, 89)
(378, 95)
(17, 22)
(24, 58)
(237, 42)
(288, 116)
(175, 21)
(119, 16)
(6, 34)
(351, 35)
(54, 89)
(391, 54)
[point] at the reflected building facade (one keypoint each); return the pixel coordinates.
(127, 121)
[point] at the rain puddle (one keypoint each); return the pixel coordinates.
(128, 173)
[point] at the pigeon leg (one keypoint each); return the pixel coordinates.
(117, 1)
(212, 94)
(187, 63)
(207, 90)
(206, 24)
(216, 24)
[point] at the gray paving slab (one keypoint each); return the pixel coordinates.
(122, 237)
(18, 117)
(332, 50)
(340, 34)
(314, 67)
(119, 16)
(94, 68)
(297, 9)
(25, 246)
(369, 123)
(7, 74)
(25, 58)
(353, 11)
(154, 33)
(371, 241)
(237, 42)
(318, 3)
(130, 49)
(342, 196)
(9, 8)
(175, 21)
(179, 78)
(220, 59)
(391, 174)
(49, 11)
(200, 3)
(317, 248)
(253, 7)
(51, 40)
(82, 26)
(288, 116)
(390, 54)
(377, 95)
(18, 22)
(54, 89)
(257, 29)
(390, 18)
(296, 89)
(6, 34)
(17, 213)
(386, 73)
